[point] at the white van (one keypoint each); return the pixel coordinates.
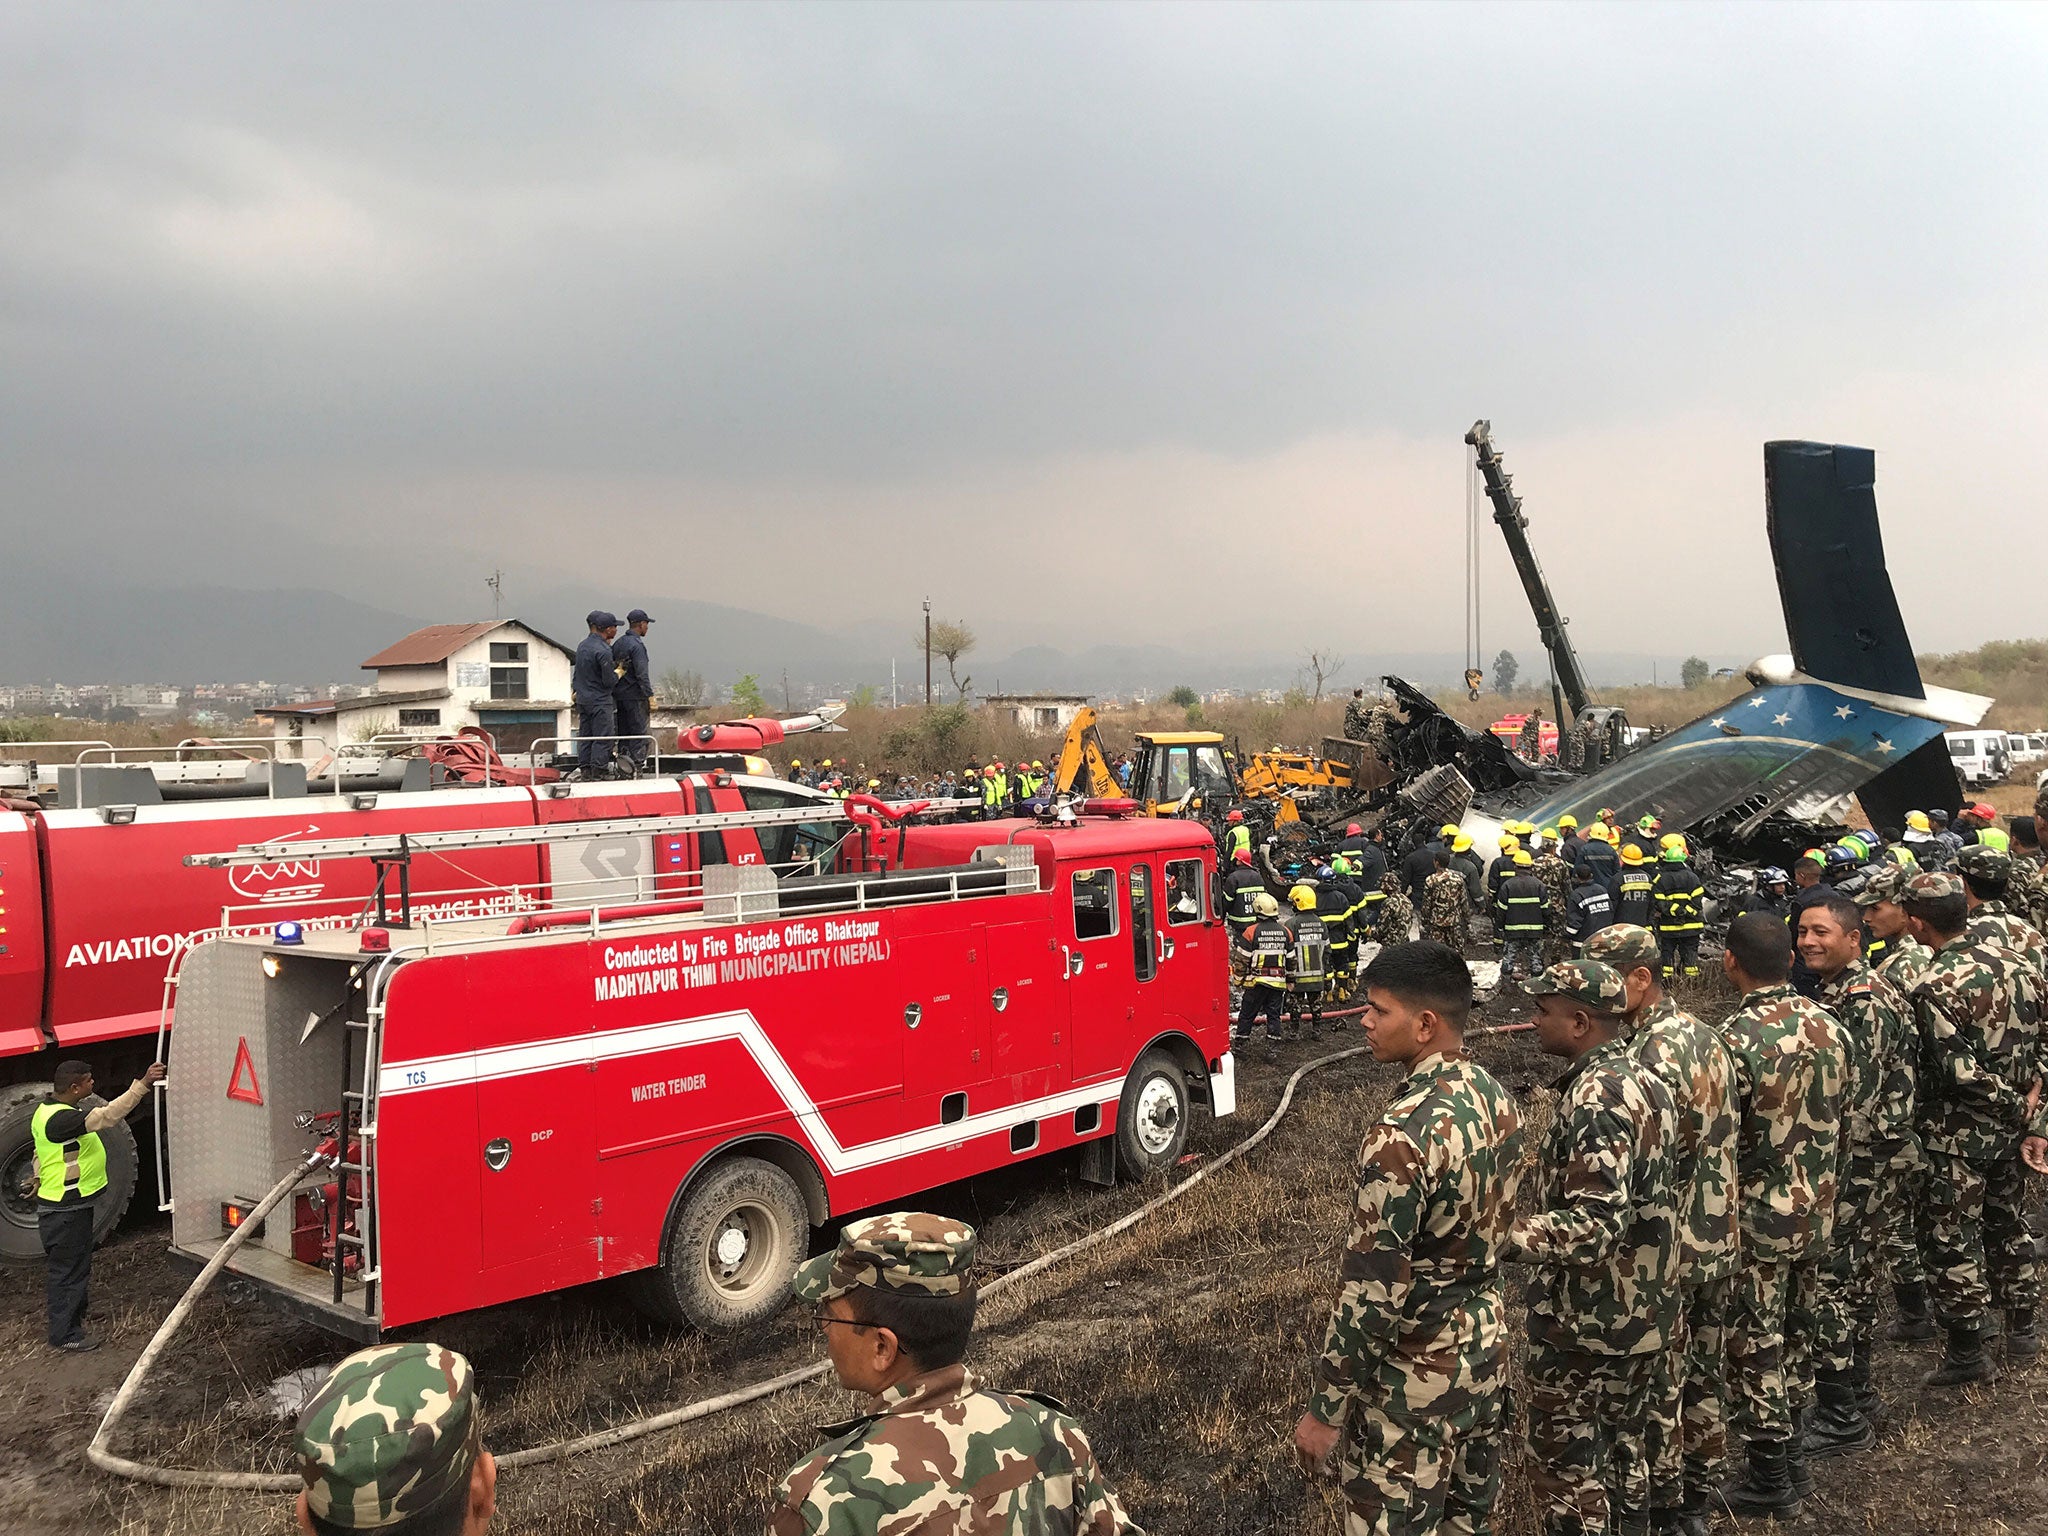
(1981, 757)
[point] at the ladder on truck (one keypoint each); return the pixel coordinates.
(393, 853)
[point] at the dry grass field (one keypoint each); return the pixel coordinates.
(1183, 1345)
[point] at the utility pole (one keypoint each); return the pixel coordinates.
(927, 653)
(496, 582)
(892, 682)
(785, 690)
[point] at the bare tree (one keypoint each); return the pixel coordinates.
(1322, 666)
(682, 690)
(952, 639)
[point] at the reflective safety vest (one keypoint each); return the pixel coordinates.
(994, 791)
(1995, 837)
(1635, 897)
(1678, 894)
(1305, 964)
(66, 1170)
(1270, 942)
(1239, 836)
(1523, 905)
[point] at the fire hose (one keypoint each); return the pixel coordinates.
(274, 1482)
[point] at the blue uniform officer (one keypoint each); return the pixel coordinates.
(591, 682)
(635, 691)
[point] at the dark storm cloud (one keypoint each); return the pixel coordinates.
(707, 275)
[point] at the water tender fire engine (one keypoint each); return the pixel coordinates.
(679, 1084)
(95, 901)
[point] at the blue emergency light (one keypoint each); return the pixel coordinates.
(287, 933)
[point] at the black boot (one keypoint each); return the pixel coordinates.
(1966, 1360)
(1630, 1522)
(1692, 1518)
(1868, 1403)
(2021, 1341)
(1765, 1487)
(1915, 1325)
(1838, 1425)
(1797, 1472)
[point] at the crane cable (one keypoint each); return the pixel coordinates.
(99, 1454)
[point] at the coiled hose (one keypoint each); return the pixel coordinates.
(278, 1482)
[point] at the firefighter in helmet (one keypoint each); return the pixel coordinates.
(1263, 949)
(1236, 835)
(1307, 962)
(1241, 888)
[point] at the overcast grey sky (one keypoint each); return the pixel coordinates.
(1077, 317)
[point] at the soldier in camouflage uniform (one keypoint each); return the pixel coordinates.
(1987, 889)
(1688, 1438)
(1790, 1071)
(1606, 1230)
(1446, 911)
(1412, 1381)
(390, 1441)
(1394, 920)
(1978, 1012)
(1876, 1136)
(1556, 876)
(937, 1452)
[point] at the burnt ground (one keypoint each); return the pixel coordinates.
(1183, 1346)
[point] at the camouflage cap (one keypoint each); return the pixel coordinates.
(1985, 863)
(1599, 987)
(1933, 885)
(1887, 882)
(1624, 946)
(390, 1432)
(903, 1251)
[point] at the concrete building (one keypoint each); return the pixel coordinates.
(504, 676)
(1037, 711)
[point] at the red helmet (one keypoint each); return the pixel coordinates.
(1235, 816)
(1980, 809)
(1354, 830)
(1242, 856)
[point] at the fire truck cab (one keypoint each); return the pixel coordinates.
(680, 1085)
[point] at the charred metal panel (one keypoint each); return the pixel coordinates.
(1840, 612)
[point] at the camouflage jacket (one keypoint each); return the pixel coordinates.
(1444, 899)
(1883, 1045)
(2028, 894)
(941, 1455)
(1904, 962)
(1790, 1073)
(1420, 1301)
(1556, 876)
(1607, 1226)
(1978, 1011)
(1998, 921)
(1696, 1067)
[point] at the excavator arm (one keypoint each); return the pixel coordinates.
(1083, 767)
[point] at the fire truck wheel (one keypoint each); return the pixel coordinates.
(1152, 1119)
(731, 1248)
(19, 1241)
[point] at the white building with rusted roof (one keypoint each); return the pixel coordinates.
(502, 675)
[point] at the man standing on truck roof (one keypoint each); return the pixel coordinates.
(635, 689)
(71, 1170)
(591, 680)
(936, 1451)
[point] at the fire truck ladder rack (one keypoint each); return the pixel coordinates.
(396, 851)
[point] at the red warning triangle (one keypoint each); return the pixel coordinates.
(242, 1081)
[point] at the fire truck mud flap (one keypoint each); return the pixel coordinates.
(266, 1062)
(1223, 1085)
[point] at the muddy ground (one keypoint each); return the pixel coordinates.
(1183, 1346)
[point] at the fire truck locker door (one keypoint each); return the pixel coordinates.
(945, 1011)
(1028, 1018)
(536, 1141)
(1096, 948)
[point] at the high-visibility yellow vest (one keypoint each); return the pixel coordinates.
(65, 1168)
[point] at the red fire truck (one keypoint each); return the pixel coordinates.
(679, 1087)
(95, 900)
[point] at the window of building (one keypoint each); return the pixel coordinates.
(412, 719)
(508, 652)
(508, 682)
(1095, 904)
(1185, 890)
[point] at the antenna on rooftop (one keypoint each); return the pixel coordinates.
(496, 582)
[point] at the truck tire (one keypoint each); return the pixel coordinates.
(1152, 1116)
(731, 1248)
(20, 1243)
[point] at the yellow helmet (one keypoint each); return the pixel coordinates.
(1567, 823)
(1509, 842)
(1461, 844)
(796, 762)
(1918, 822)
(1448, 829)
(1670, 840)
(1265, 905)
(1549, 834)
(1632, 854)
(1303, 897)
(1524, 861)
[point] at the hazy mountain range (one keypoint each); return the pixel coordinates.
(54, 628)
